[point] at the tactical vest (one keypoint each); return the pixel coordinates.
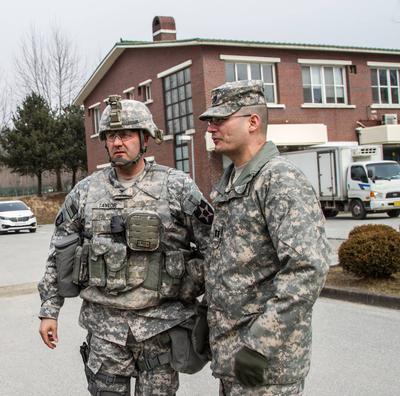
(142, 265)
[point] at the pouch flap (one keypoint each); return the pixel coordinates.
(115, 257)
(66, 241)
(175, 264)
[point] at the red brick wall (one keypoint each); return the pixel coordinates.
(207, 72)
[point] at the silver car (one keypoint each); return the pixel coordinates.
(16, 216)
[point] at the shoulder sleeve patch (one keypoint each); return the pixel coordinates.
(204, 212)
(70, 207)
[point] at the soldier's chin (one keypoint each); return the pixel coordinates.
(118, 161)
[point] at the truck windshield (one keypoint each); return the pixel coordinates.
(385, 171)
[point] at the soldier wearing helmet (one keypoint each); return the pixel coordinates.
(130, 241)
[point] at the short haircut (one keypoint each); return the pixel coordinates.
(262, 112)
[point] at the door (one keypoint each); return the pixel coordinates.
(327, 174)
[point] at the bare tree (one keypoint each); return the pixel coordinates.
(49, 66)
(6, 102)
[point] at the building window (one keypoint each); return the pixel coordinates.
(254, 71)
(129, 93)
(145, 90)
(385, 83)
(179, 113)
(94, 112)
(324, 84)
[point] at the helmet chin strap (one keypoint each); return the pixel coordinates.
(124, 163)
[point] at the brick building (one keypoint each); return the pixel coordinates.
(316, 94)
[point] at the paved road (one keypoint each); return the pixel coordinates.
(356, 347)
(355, 353)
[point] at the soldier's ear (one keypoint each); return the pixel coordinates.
(254, 122)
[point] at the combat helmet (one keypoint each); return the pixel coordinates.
(128, 114)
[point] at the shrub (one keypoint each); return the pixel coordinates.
(371, 251)
(374, 228)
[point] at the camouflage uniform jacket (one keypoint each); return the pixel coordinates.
(186, 217)
(267, 265)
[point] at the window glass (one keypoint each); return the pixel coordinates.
(393, 76)
(305, 73)
(374, 77)
(375, 95)
(268, 75)
(338, 76)
(384, 95)
(382, 77)
(255, 71)
(178, 111)
(230, 72)
(395, 95)
(307, 95)
(328, 72)
(241, 70)
(269, 93)
(317, 94)
(330, 94)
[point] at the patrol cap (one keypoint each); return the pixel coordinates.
(230, 97)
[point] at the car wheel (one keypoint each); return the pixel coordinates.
(331, 212)
(393, 213)
(357, 209)
(32, 230)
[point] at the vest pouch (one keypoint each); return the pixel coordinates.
(97, 266)
(116, 264)
(173, 271)
(80, 272)
(143, 231)
(65, 259)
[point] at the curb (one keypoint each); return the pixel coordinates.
(18, 290)
(353, 295)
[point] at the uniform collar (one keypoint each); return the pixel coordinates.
(266, 153)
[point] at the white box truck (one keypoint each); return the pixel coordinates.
(351, 178)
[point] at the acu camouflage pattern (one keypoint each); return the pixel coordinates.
(128, 114)
(117, 360)
(267, 265)
(144, 312)
(230, 97)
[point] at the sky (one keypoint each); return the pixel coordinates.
(96, 25)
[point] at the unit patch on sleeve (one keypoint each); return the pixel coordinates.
(59, 219)
(204, 212)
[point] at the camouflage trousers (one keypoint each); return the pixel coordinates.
(112, 359)
(229, 387)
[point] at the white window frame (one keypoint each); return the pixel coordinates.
(94, 111)
(321, 65)
(260, 60)
(129, 93)
(385, 66)
(146, 86)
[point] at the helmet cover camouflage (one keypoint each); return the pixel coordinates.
(230, 97)
(128, 114)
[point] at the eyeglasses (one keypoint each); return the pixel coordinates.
(122, 135)
(217, 121)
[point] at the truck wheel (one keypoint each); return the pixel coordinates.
(358, 210)
(331, 212)
(393, 213)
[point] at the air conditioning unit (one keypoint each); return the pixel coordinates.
(389, 119)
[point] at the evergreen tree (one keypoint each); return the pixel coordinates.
(71, 131)
(27, 146)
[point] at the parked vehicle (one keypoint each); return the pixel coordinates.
(351, 178)
(16, 216)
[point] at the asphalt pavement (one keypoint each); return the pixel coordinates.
(355, 351)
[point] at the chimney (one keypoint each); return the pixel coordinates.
(164, 28)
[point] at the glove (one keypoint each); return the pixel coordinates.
(249, 367)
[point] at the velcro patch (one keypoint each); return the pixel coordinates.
(59, 219)
(204, 212)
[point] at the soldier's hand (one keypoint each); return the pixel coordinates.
(249, 367)
(48, 332)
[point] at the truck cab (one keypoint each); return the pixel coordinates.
(374, 186)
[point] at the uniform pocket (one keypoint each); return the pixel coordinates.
(115, 260)
(97, 266)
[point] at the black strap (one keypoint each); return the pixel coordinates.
(106, 378)
(147, 364)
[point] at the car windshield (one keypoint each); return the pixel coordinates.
(11, 206)
(385, 171)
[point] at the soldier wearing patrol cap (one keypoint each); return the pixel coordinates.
(130, 240)
(269, 254)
